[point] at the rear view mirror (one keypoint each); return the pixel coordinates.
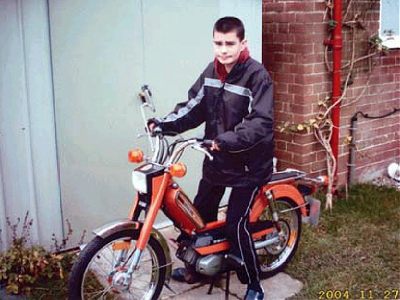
(146, 96)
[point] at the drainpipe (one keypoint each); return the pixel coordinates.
(336, 44)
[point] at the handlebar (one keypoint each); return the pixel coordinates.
(158, 149)
(196, 144)
(202, 149)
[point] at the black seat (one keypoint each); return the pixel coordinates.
(286, 175)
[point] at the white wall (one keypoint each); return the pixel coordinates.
(95, 58)
(28, 173)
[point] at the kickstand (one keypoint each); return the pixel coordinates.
(211, 286)
(228, 277)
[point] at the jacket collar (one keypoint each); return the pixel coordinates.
(220, 68)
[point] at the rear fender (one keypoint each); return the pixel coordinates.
(279, 191)
(126, 224)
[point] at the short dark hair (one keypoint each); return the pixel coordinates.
(228, 24)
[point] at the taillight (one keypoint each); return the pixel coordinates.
(177, 170)
(135, 156)
(323, 179)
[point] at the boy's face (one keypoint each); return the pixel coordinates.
(227, 47)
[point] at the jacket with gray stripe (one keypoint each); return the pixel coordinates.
(238, 114)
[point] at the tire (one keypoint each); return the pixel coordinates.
(93, 273)
(274, 258)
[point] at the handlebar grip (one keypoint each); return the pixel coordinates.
(207, 143)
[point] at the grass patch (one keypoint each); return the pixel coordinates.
(355, 247)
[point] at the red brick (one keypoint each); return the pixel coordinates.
(284, 77)
(321, 5)
(283, 155)
(303, 138)
(283, 27)
(284, 97)
(304, 158)
(318, 166)
(300, 98)
(305, 38)
(281, 145)
(321, 155)
(298, 109)
(301, 28)
(301, 89)
(301, 48)
(320, 88)
(300, 6)
(301, 69)
(278, 106)
(283, 37)
(283, 136)
(283, 17)
(275, 7)
(319, 48)
(309, 17)
(282, 116)
(298, 148)
(281, 87)
(391, 60)
(310, 58)
(284, 57)
(308, 79)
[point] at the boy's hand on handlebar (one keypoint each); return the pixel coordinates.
(214, 146)
(210, 145)
(151, 126)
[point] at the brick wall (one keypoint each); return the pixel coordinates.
(293, 53)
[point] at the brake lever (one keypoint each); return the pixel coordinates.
(201, 149)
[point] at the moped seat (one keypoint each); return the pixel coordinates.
(286, 175)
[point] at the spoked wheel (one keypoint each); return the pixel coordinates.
(101, 269)
(274, 257)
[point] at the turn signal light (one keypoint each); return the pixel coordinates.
(323, 179)
(178, 170)
(135, 156)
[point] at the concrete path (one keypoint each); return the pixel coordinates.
(279, 287)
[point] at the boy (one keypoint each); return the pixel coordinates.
(233, 96)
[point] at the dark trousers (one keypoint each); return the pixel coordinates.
(237, 221)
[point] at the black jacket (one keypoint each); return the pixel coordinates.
(239, 115)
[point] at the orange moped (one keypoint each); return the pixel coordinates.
(130, 259)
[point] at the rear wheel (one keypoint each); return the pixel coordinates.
(274, 257)
(97, 274)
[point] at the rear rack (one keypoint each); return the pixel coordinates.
(286, 175)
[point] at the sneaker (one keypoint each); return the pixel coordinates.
(253, 295)
(185, 275)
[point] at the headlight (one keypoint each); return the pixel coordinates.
(139, 182)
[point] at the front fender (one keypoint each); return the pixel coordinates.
(126, 224)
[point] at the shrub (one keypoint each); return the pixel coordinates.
(23, 266)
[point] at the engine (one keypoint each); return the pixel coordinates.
(208, 265)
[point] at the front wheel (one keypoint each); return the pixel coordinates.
(274, 257)
(100, 271)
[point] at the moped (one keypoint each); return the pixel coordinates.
(130, 259)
